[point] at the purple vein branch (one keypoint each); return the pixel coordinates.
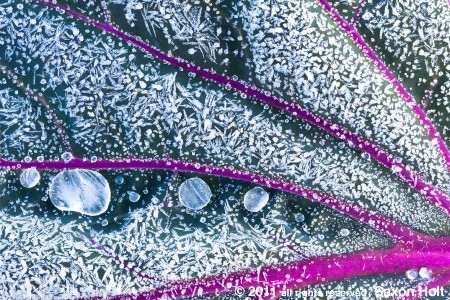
(305, 273)
(357, 38)
(415, 180)
(357, 12)
(375, 220)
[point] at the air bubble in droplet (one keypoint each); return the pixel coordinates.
(255, 199)
(194, 193)
(29, 177)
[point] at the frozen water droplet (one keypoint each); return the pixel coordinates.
(341, 145)
(194, 193)
(299, 217)
(366, 155)
(411, 274)
(27, 159)
(104, 222)
(133, 196)
(67, 156)
(93, 159)
(29, 177)
(202, 220)
(425, 273)
(255, 199)
(119, 180)
(82, 191)
(344, 232)
(40, 158)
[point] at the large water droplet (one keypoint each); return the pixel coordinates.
(194, 193)
(30, 177)
(82, 191)
(255, 199)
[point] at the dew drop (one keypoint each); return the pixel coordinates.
(29, 177)
(299, 217)
(83, 191)
(255, 199)
(411, 274)
(344, 232)
(425, 273)
(133, 196)
(67, 156)
(119, 180)
(194, 193)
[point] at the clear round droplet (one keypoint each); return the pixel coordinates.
(412, 274)
(119, 180)
(344, 232)
(194, 193)
(83, 191)
(299, 217)
(67, 156)
(133, 196)
(425, 273)
(255, 199)
(29, 177)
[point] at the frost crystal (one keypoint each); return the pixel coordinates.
(194, 193)
(255, 199)
(30, 177)
(82, 191)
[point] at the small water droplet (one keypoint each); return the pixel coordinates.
(67, 156)
(299, 217)
(133, 196)
(119, 180)
(255, 199)
(344, 232)
(425, 273)
(29, 178)
(412, 274)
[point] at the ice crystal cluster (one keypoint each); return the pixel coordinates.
(149, 143)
